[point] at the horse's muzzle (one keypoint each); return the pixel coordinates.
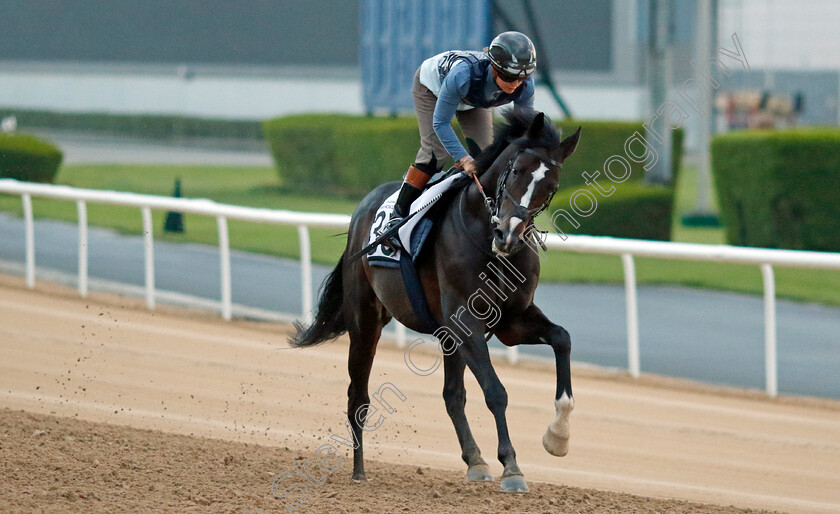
(504, 244)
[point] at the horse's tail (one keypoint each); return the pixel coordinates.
(329, 323)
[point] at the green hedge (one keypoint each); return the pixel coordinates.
(633, 210)
(368, 150)
(27, 158)
(340, 154)
(352, 154)
(779, 189)
(138, 125)
(600, 140)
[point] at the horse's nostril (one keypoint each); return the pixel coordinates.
(498, 234)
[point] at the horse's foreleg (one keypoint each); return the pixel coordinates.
(476, 355)
(556, 438)
(532, 327)
(455, 397)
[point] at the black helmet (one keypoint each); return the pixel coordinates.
(513, 55)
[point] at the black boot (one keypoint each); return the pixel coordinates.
(408, 194)
(415, 180)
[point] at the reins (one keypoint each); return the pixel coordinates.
(488, 202)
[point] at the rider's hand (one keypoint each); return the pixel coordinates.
(467, 164)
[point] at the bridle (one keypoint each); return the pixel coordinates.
(521, 212)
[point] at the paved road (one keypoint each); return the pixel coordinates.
(87, 149)
(711, 336)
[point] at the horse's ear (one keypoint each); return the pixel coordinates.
(567, 147)
(473, 148)
(537, 125)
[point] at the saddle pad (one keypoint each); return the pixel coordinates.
(415, 231)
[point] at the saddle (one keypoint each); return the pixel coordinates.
(425, 212)
(414, 233)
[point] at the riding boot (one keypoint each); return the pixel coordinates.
(408, 193)
(415, 180)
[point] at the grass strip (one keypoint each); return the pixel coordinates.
(259, 187)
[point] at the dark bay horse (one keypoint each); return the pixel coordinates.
(478, 277)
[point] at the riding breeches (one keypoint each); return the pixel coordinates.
(477, 125)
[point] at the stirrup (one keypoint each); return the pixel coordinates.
(392, 243)
(392, 222)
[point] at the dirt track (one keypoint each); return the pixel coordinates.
(109, 361)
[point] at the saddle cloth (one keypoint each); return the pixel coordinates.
(415, 231)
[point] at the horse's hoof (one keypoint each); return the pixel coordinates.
(554, 444)
(479, 473)
(514, 484)
(556, 438)
(359, 478)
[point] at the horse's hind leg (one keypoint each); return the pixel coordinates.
(364, 324)
(455, 397)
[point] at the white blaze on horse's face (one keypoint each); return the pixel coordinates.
(525, 201)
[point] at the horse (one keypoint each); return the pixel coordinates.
(522, 166)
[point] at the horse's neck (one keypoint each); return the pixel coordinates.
(490, 178)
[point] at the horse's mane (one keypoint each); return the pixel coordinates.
(513, 131)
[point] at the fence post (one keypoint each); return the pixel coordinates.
(513, 354)
(81, 209)
(770, 362)
(401, 335)
(305, 273)
(631, 300)
(148, 246)
(29, 224)
(224, 259)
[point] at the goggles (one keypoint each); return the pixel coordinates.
(510, 74)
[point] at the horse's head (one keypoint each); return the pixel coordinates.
(527, 173)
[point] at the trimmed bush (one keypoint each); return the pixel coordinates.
(780, 189)
(367, 153)
(27, 158)
(600, 140)
(339, 154)
(633, 210)
(351, 154)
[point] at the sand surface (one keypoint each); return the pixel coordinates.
(110, 407)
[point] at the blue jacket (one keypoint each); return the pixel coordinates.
(466, 79)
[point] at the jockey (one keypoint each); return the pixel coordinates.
(468, 85)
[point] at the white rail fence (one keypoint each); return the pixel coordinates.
(146, 203)
(627, 249)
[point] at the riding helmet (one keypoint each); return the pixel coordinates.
(513, 55)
